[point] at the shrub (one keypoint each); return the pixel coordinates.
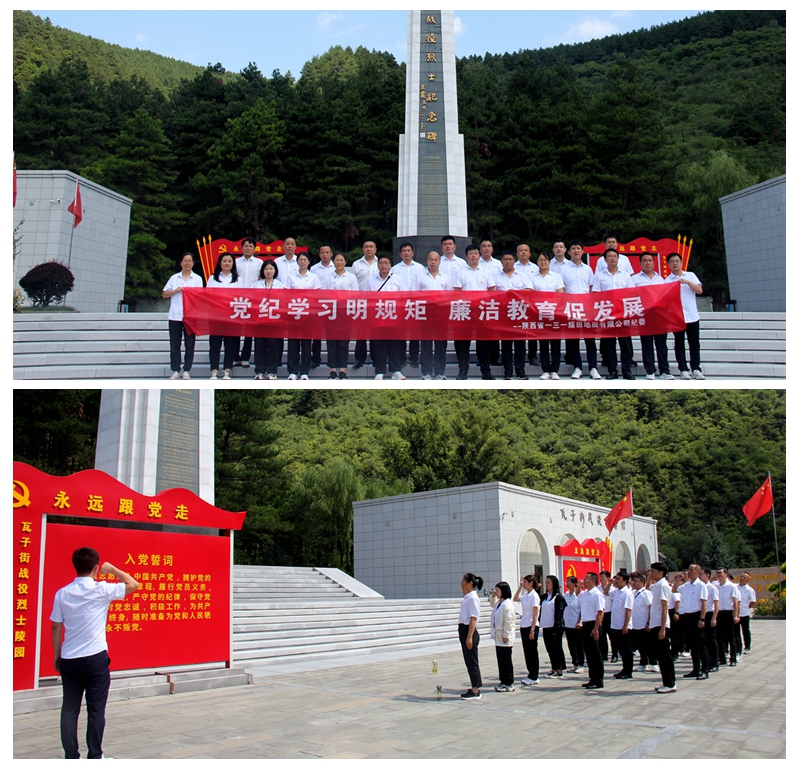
(771, 606)
(48, 283)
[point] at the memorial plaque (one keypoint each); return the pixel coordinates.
(178, 464)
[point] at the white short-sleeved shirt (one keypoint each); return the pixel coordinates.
(660, 591)
(640, 278)
(609, 598)
(391, 283)
(674, 603)
(622, 600)
(451, 267)
(307, 282)
(470, 608)
(529, 270)
(346, 282)
(642, 599)
(475, 279)
(688, 296)
(558, 268)
(529, 601)
(728, 592)
(440, 282)
(747, 595)
(410, 273)
(286, 268)
(692, 592)
(572, 613)
(176, 301)
(323, 272)
(516, 281)
(223, 282)
(364, 269)
(276, 284)
(82, 607)
(578, 278)
(713, 597)
(248, 270)
(547, 616)
(605, 281)
(552, 282)
(591, 600)
(492, 265)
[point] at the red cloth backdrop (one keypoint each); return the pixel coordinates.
(660, 249)
(511, 315)
(210, 251)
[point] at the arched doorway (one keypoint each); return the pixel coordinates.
(643, 559)
(533, 555)
(622, 558)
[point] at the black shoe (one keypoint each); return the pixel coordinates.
(714, 669)
(342, 375)
(628, 377)
(703, 676)
(593, 686)
(585, 685)
(731, 663)
(461, 377)
(357, 364)
(414, 363)
(314, 365)
(333, 375)
(612, 375)
(488, 377)
(507, 378)
(691, 674)
(623, 676)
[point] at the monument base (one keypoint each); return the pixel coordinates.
(424, 244)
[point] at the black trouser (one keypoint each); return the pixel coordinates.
(550, 355)
(648, 359)
(505, 665)
(725, 640)
(389, 351)
(247, 346)
(513, 358)
(85, 674)
(555, 648)
(494, 352)
(575, 645)
(413, 352)
(593, 656)
(298, 357)
(530, 649)
(710, 640)
(471, 655)
(604, 629)
(676, 641)
(641, 642)
(177, 330)
(695, 639)
(660, 649)
(744, 624)
(338, 350)
(268, 355)
(432, 357)
(574, 353)
(316, 353)
(622, 643)
(533, 344)
(361, 351)
(214, 346)
(692, 334)
(608, 349)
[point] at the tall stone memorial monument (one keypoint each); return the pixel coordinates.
(432, 188)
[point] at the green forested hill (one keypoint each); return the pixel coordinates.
(638, 134)
(296, 460)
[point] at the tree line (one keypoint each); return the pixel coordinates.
(296, 460)
(638, 134)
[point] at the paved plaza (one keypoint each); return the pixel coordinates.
(385, 706)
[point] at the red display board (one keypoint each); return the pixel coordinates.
(172, 619)
(659, 249)
(580, 557)
(211, 250)
(167, 630)
(510, 315)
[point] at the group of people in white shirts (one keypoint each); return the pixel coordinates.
(479, 271)
(699, 613)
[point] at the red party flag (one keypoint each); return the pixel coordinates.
(75, 207)
(621, 511)
(760, 503)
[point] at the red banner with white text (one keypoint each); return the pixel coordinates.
(457, 315)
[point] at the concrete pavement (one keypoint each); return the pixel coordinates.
(385, 706)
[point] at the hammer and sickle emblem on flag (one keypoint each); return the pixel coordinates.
(22, 497)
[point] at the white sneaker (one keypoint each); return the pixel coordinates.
(594, 374)
(440, 377)
(666, 689)
(226, 375)
(544, 377)
(555, 377)
(528, 681)
(425, 377)
(504, 688)
(641, 668)
(398, 376)
(378, 377)
(698, 375)
(738, 658)
(574, 671)
(577, 373)
(304, 378)
(686, 375)
(667, 377)
(654, 668)
(186, 376)
(175, 376)
(292, 377)
(213, 375)
(272, 377)
(259, 377)
(651, 377)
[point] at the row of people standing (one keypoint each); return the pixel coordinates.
(445, 271)
(622, 614)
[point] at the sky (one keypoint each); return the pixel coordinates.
(286, 39)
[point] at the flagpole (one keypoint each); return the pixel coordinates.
(774, 524)
(633, 523)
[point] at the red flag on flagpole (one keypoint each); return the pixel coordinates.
(759, 504)
(621, 511)
(75, 207)
(15, 182)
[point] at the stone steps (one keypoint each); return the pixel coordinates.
(50, 346)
